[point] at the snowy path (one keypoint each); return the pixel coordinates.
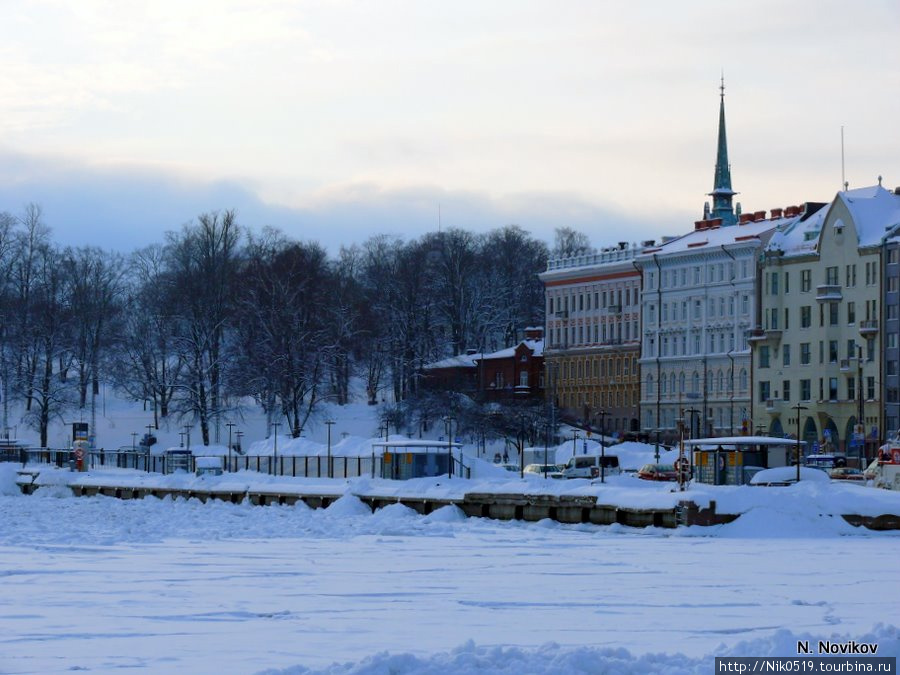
(106, 586)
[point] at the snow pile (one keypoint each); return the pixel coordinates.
(552, 659)
(8, 484)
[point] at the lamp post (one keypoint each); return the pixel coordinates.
(575, 438)
(602, 413)
(521, 445)
(546, 443)
(329, 423)
(230, 426)
(448, 420)
(691, 412)
(240, 435)
(799, 408)
(275, 448)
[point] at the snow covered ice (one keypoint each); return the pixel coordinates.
(101, 585)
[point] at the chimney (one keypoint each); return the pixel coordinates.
(759, 215)
(776, 213)
(745, 218)
(701, 225)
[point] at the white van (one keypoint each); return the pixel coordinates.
(588, 466)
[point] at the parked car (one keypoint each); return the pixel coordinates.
(509, 467)
(553, 470)
(846, 473)
(872, 470)
(658, 472)
(787, 475)
(588, 466)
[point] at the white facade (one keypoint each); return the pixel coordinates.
(699, 301)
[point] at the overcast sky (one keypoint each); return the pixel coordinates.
(337, 119)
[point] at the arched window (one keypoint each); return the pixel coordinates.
(662, 385)
(523, 378)
(721, 382)
(743, 380)
(695, 382)
(650, 391)
(681, 381)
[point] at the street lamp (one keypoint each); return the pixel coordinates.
(602, 413)
(448, 420)
(691, 412)
(230, 426)
(329, 423)
(575, 438)
(546, 443)
(799, 408)
(275, 448)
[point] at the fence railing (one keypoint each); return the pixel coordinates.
(297, 466)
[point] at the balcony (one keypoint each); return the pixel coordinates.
(756, 335)
(773, 334)
(848, 364)
(829, 293)
(770, 404)
(868, 327)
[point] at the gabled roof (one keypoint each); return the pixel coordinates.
(875, 212)
(536, 347)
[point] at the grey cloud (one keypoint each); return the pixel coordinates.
(126, 208)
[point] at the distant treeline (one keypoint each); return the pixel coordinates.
(218, 313)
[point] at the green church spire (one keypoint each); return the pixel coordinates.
(722, 192)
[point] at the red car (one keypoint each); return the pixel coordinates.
(658, 472)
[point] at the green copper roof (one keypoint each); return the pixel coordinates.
(722, 192)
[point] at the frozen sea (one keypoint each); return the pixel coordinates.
(104, 586)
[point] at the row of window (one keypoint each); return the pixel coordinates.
(604, 332)
(829, 349)
(780, 282)
(614, 299)
(693, 275)
(829, 314)
(599, 367)
(718, 342)
(828, 390)
(725, 420)
(595, 400)
(678, 310)
(673, 386)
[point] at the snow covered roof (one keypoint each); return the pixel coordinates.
(701, 240)
(458, 361)
(536, 347)
(874, 210)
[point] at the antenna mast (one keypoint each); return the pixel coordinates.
(843, 177)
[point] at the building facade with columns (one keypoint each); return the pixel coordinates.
(592, 338)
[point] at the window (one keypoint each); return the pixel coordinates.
(773, 283)
(832, 389)
(764, 392)
(832, 351)
(870, 386)
(851, 312)
(892, 260)
(831, 276)
(787, 283)
(850, 276)
(785, 355)
(787, 315)
(833, 308)
(805, 281)
(697, 309)
(804, 353)
(764, 356)
(851, 348)
(745, 304)
(786, 390)
(851, 388)
(523, 378)
(805, 316)
(805, 390)
(892, 284)
(821, 351)
(743, 380)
